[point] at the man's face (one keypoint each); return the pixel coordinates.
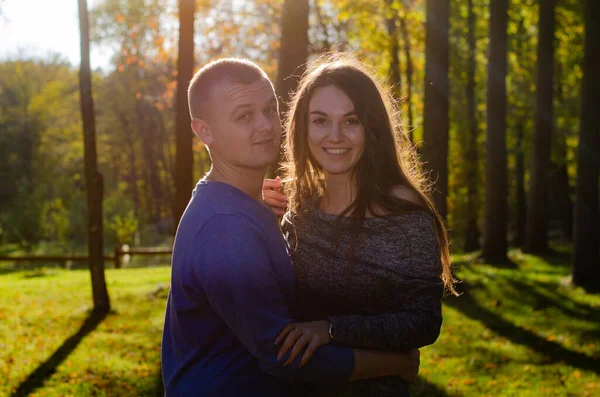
(244, 124)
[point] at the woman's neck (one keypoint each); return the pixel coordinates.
(340, 192)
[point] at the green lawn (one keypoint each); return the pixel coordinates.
(514, 332)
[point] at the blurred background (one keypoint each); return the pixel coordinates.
(501, 99)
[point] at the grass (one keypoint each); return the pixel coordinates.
(52, 345)
(520, 331)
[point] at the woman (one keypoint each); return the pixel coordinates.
(369, 250)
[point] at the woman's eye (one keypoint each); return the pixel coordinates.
(353, 122)
(319, 121)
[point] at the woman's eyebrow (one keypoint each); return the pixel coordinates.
(320, 113)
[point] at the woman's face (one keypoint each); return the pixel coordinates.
(336, 137)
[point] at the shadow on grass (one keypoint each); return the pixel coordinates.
(8, 270)
(504, 263)
(423, 389)
(539, 295)
(553, 351)
(159, 389)
(7, 267)
(37, 378)
(557, 258)
(545, 295)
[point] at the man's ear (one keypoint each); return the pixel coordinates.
(202, 130)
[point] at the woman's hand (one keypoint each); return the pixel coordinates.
(297, 336)
(273, 195)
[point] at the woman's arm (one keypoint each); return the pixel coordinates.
(412, 327)
(418, 322)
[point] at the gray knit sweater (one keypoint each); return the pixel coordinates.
(391, 300)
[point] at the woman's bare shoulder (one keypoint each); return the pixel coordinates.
(406, 193)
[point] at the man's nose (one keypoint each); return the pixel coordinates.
(263, 123)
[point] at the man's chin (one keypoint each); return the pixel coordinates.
(259, 165)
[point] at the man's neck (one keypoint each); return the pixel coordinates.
(339, 193)
(247, 180)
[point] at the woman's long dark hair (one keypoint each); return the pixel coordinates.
(388, 158)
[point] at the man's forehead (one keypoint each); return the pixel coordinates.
(234, 93)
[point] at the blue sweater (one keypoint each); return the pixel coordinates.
(232, 292)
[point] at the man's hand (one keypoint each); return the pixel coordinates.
(408, 365)
(297, 336)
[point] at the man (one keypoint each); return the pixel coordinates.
(232, 280)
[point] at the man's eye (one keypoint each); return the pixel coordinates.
(271, 110)
(245, 117)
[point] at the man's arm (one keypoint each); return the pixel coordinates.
(371, 364)
(232, 264)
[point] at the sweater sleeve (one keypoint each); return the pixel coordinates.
(418, 322)
(242, 287)
(412, 327)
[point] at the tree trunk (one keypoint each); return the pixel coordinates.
(147, 128)
(293, 52)
(184, 159)
(495, 243)
(409, 73)
(472, 158)
(392, 30)
(436, 119)
(167, 166)
(521, 221)
(92, 177)
(586, 248)
(133, 176)
(561, 190)
(536, 238)
(560, 193)
(521, 194)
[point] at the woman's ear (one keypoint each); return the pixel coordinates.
(202, 130)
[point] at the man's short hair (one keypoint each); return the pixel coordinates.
(231, 70)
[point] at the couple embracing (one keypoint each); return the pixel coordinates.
(336, 299)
